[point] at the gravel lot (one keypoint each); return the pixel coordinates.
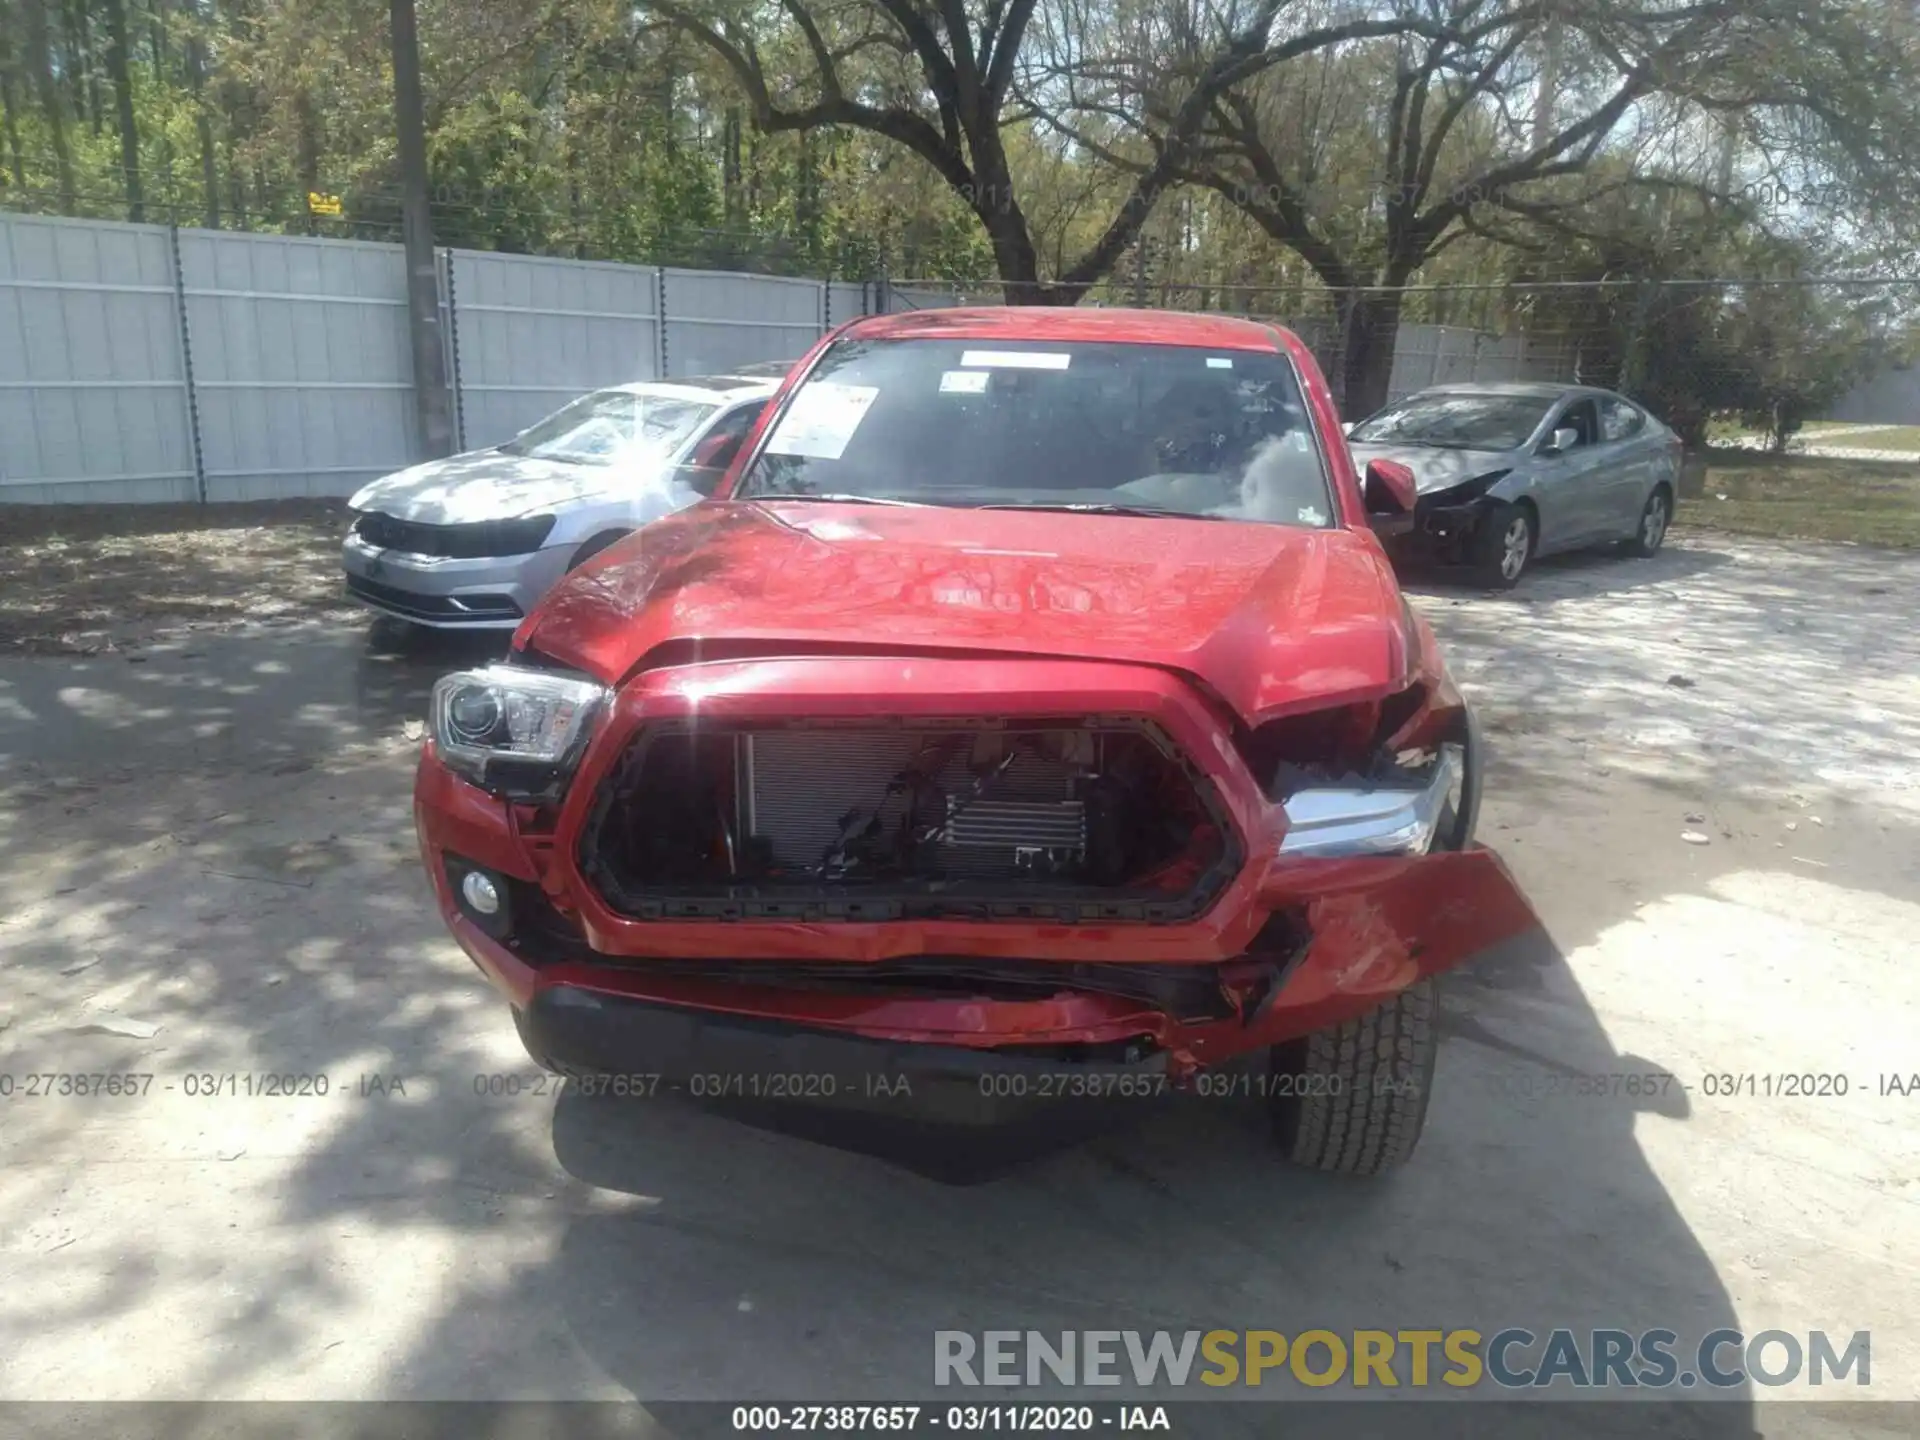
(210, 834)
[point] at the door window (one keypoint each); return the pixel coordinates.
(1579, 418)
(1620, 420)
(720, 444)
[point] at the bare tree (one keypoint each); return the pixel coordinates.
(1370, 160)
(938, 77)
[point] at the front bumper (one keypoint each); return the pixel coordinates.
(714, 1055)
(492, 593)
(1444, 530)
(1297, 942)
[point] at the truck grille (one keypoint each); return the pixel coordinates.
(1072, 821)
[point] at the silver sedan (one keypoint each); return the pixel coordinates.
(1507, 473)
(473, 541)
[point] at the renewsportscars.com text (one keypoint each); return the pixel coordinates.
(1507, 1359)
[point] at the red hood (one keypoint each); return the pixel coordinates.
(1269, 617)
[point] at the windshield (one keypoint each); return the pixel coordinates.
(1159, 429)
(1455, 422)
(612, 427)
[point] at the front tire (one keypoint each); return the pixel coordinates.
(1504, 546)
(1352, 1100)
(1655, 518)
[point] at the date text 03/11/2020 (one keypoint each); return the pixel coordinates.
(963, 1419)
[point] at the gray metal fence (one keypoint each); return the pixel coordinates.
(140, 363)
(301, 372)
(94, 403)
(529, 334)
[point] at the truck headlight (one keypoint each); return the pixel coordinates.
(517, 732)
(1335, 821)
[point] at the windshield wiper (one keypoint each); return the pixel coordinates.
(1153, 512)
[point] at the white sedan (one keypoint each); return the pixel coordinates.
(473, 541)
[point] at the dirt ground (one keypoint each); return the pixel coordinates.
(87, 579)
(210, 836)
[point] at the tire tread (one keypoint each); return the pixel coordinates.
(1384, 1061)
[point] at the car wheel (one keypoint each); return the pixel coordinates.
(1506, 544)
(1353, 1099)
(1654, 520)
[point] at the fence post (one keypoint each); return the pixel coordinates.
(660, 319)
(449, 305)
(186, 362)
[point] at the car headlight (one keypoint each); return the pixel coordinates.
(1466, 492)
(517, 732)
(1325, 823)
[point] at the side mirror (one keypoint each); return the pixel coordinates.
(1390, 494)
(1561, 441)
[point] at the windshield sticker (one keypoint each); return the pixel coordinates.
(1017, 359)
(821, 420)
(1219, 362)
(964, 382)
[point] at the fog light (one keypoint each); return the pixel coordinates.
(480, 893)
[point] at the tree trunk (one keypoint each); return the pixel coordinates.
(1547, 87)
(1014, 257)
(40, 63)
(1369, 326)
(203, 129)
(806, 209)
(121, 72)
(730, 183)
(91, 70)
(433, 408)
(73, 57)
(10, 108)
(307, 141)
(236, 189)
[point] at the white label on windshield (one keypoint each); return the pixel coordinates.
(964, 382)
(1219, 362)
(1018, 359)
(821, 420)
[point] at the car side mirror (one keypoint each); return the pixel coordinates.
(703, 480)
(1390, 493)
(1561, 441)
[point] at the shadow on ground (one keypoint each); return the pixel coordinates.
(452, 1240)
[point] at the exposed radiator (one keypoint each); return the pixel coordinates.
(796, 785)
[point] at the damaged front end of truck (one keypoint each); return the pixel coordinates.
(799, 875)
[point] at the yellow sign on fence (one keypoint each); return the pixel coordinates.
(319, 204)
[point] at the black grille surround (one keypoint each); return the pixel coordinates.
(480, 540)
(1059, 903)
